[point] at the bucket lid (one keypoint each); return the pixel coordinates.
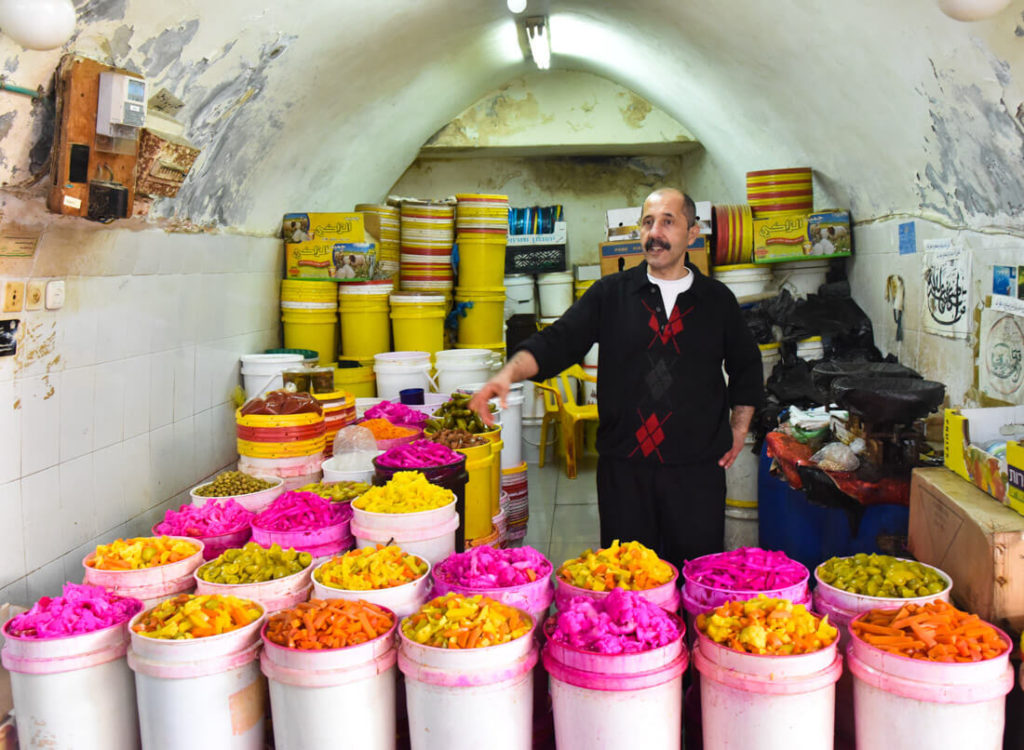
(305, 353)
(366, 287)
(272, 359)
(410, 357)
(768, 347)
(417, 298)
(556, 277)
(742, 267)
(809, 340)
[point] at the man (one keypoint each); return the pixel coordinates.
(669, 425)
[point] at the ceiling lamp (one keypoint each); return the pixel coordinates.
(38, 24)
(539, 36)
(972, 10)
(516, 6)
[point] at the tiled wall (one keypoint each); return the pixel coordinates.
(118, 403)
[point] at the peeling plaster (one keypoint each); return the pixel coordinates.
(101, 10)
(636, 111)
(167, 48)
(974, 152)
(6, 121)
(44, 117)
(11, 64)
(499, 116)
(118, 46)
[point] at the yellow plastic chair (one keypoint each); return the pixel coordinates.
(560, 401)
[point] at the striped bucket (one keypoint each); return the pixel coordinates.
(776, 192)
(479, 213)
(339, 411)
(384, 223)
(264, 436)
(733, 228)
(428, 232)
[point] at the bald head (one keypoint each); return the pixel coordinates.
(678, 198)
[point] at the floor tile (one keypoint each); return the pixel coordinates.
(579, 491)
(575, 523)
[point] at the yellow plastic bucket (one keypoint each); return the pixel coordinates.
(365, 328)
(480, 460)
(482, 261)
(417, 321)
(494, 438)
(580, 287)
(315, 329)
(359, 381)
(324, 292)
(484, 323)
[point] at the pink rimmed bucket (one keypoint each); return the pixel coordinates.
(665, 596)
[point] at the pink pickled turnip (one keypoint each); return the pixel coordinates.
(486, 567)
(624, 622)
(745, 569)
(397, 414)
(80, 609)
(212, 518)
(302, 511)
(418, 454)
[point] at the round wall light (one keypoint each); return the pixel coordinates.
(38, 24)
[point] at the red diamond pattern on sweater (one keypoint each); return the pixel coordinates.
(650, 435)
(672, 329)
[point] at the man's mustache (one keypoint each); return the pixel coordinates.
(653, 243)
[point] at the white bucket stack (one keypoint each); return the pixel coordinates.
(457, 367)
(262, 372)
(429, 534)
(745, 280)
(741, 521)
(556, 293)
(397, 371)
(801, 277)
(520, 295)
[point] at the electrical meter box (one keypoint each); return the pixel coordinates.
(122, 105)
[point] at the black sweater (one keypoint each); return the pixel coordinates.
(661, 392)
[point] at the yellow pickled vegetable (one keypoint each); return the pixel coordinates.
(767, 626)
(190, 616)
(457, 621)
(371, 568)
(630, 566)
(406, 492)
(141, 552)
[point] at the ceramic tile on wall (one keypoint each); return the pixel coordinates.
(133, 297)
(184, 454)
(77, 410)
(77, 500)
(161, 462)
(76, 323)
(111, 318)
(109, 470)
(46, 581)
(136, 383)
(161, 389)
(40, 511)
(40, 421)
(137, 475)
(184, 381)
(12, 537)
(15, 593)
(205, 457)
(10, 433)
(108, 412)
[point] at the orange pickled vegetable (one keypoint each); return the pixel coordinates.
(630, 565)
(935, 631)
(767, 626)
(141, 552)
(328, 623)
(382, 429)
(458, 621)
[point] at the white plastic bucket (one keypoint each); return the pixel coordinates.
(151, 585)
(520, 297)
(770, 356)
(296, 471)
(314, 693)
(75, 692)
(397, 371)
(741, 525)
(512, 427)
(810, 348)
(202, 692)
(279, 593)
(746, 279)
(555, 293)
(767, 702)
(363, 403)
(403, 600)
(433, 543)
(457, 366)
(337, 475)
(801, 277)
(902, 703)
(617, 700)
(455, 697)
(741, 498)
(262, 372)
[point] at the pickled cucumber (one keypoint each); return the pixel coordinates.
(337, 492)
(233, 484)
(881, 575)
(456, 415)
(253, 564)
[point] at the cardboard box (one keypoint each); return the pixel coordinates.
(323, 227)
(956, 527)
(331, 261)
(587, 271)
(965, 435)
(802, 236)
(618, 256)
(556, 237)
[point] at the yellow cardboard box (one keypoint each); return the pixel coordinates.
(323, 227)
(825, 234)
(967, 432)
(331, 261)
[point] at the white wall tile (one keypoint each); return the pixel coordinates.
(12, 537)
(40, 399)
(77, 409)
(161, 389)
(76, 323)
(147, 258)
(136, 395)
(184, 382)
(109, 469)
(40, 510)
(112, 317)
(15, 593)
(46, 581)
(137, 479)
(161, 461)
(78, 500)
(184, 455)
(205, 458)
(223, 431)
(202, 389)
(135, 308)
(108, 416)
(10, 433)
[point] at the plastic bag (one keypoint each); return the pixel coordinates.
(355, 448)
(836, 457)
(283, 402)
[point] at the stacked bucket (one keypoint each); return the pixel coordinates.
(289, 446)
(309, 312)
(516, 494)
(780, 192)
(365, 325)
(482, 232)
(339, 411)
(733, 227)
(428, 232)
(384, 223)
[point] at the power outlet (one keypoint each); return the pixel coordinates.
(55, 294)
(14, 296)
(35, 295)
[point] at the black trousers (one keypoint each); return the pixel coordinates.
(678, 511)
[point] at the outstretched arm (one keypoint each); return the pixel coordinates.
(522, 366)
